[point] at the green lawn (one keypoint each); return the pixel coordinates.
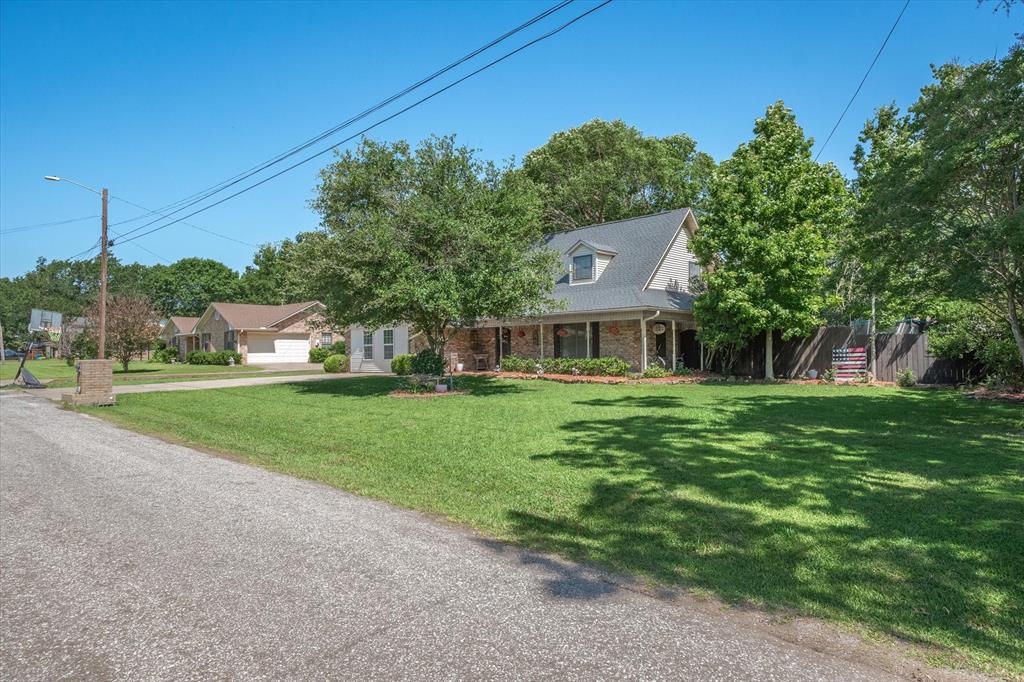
(899, 513)
(57, 373)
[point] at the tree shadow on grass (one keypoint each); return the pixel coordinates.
(368, 386)
(902, 513)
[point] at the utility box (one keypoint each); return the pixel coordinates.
(95, 384)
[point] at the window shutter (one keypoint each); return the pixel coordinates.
(595, 339)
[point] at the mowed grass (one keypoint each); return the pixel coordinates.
(57, 373)
(900, 513)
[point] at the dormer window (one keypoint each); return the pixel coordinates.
(583, 267)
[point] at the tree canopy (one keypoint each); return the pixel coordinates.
(273, 277)
(942, 205)
(189, 285)
(765, 238)
(607, 170)
(428, 235)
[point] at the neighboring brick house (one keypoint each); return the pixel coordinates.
(178, 332)
(626, 288)
(263, 333)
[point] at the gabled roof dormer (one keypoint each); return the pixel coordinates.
(587, 260)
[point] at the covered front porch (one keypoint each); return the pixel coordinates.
(643, 338)
(186, 343)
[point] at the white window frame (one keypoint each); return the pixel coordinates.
(326, 338)
(575, 270)
(367, 344)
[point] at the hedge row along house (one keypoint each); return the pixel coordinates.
(262, 334)
(626, 288)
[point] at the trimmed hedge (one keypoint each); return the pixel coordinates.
(656, 372)
(336, 363)
(217, 357)
(402, 364)
(606, 366)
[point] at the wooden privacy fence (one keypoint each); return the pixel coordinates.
(795, 357)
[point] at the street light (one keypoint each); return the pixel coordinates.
(103, 259)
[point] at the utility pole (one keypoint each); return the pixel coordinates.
(104, 244)
(103, 277)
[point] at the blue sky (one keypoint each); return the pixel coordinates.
(159, 100)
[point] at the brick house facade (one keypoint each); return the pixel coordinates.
(626, 292)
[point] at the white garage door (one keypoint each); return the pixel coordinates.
(269, 348)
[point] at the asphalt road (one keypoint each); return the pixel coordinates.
(124, 557)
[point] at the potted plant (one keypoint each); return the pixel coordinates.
(812, 374)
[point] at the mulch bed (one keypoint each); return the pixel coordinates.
(399, 393)
(1005, 395)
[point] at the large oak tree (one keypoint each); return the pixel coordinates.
(430, 236)
(607, 170)
(941, 190)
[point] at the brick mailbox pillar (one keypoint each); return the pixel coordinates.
(95, 384)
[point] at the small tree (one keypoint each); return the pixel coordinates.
(765, 239)
(430, 236)
(132, 327)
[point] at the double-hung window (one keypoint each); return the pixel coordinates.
(583, 267)
(389, 344)
(367, 345)
(326, 338)
(230, 340)
(571, 340)
(205, 340)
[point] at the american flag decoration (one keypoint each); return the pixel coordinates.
(850, 364)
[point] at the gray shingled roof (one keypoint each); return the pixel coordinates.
(640, 243)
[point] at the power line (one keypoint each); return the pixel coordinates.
(36, 226)
(197, 227)
(375, 125)
(219, 187)
(862, 80)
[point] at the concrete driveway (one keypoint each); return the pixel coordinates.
(124, 557)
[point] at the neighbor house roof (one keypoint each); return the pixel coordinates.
(252, 316)
(639, 245)
(185, 325)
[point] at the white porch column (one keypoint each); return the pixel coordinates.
(588, 338)
(702, 357)
(672, 367)
(643, 343)
(540, 332)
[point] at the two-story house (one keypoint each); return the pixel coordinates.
(626, 288)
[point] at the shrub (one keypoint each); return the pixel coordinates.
(336, 363)
(906, 378)
(682, 371)
(829, 374)
(428, 362)
(163, 353)
(338, 347)
(319, 354)
(511, 363)
(656, 372)
(402, 364)
(217, 357)
(607, 366)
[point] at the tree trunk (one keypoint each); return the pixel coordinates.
(769, 365)
(1018, 333)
